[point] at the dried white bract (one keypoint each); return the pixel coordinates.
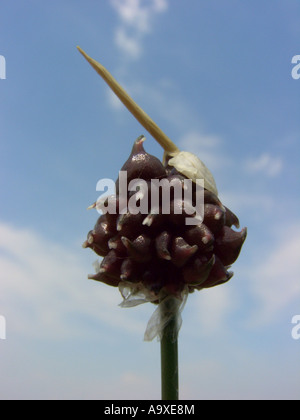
(193, 168)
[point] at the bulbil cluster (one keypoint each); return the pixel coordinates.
(160, 252)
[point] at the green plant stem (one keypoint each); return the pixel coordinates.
(169, 356)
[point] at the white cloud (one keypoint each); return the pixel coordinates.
(219, 302)
(265, 164)
(196, 140)
(239, 201)
(130, 44)
(275, 280)
(43, 285)
(132, 13)
(136, 19)
(137, 13)
(208, 147)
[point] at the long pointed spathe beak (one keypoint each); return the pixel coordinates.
(170, 148)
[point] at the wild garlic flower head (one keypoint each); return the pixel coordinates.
(158, 252)
(156, 256)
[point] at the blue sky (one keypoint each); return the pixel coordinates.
(216, 77)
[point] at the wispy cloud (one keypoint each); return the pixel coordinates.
(265, 164)
(44, 288)
(136, 20)
(128, 44)
(276, 282)
(208, 147)
(241, 201)
(219, 303)
(272, 284)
